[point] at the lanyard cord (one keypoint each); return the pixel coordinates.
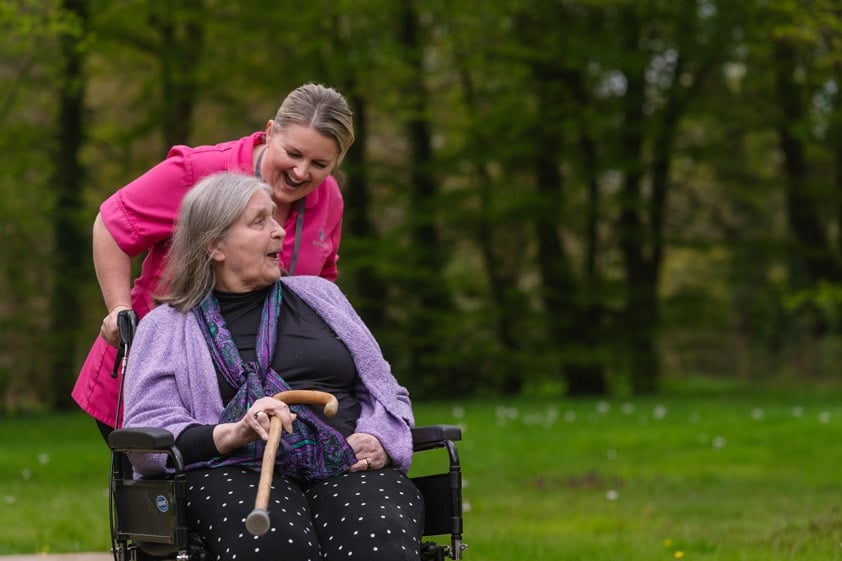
(299, 227)
(299, 219)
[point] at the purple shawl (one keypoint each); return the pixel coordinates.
(171, 382)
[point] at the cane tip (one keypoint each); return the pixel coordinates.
(257, 522)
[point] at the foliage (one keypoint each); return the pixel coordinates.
(647, 191)
(26, 273)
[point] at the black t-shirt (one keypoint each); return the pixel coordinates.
(308, 355)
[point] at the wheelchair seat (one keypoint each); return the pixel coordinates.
(148, 516)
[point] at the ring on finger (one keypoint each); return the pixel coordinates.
(367, 463)
(258, 412)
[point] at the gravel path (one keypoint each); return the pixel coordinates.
(60, 557)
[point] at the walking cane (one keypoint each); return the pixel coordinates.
(257, 522)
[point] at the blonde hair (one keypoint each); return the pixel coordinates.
(321, 108)
(207, 212)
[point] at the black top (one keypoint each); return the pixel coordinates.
(308, 355)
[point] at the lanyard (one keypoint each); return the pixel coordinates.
(299, 219)
(299, 226)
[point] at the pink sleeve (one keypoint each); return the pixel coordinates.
(143, 212)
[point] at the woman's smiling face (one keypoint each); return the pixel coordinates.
(248, 257)
(296, 161)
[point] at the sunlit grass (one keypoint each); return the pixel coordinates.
(53, 485)
(746, 476)
(708, 475)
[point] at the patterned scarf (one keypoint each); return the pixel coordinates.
(314, 450)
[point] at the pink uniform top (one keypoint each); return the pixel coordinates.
(141, 215)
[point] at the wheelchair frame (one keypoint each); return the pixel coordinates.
(148, 516)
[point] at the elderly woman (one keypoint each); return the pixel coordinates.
(231, 333)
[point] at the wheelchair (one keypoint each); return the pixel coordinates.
(148, 516)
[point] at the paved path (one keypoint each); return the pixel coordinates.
(60, 557)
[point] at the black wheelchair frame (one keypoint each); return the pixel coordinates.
(148, 516)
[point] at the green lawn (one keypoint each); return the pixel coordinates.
(712, 473)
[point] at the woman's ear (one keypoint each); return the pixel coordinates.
(215, 251)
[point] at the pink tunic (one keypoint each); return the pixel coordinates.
(141, 215)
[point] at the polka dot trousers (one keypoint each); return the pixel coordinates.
(367, 515)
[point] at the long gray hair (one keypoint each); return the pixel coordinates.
(322, 108)
(207, 212)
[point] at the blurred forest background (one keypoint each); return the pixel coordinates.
(555, 197)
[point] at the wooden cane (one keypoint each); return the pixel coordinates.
(257, 522)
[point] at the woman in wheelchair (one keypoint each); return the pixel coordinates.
(229, 333)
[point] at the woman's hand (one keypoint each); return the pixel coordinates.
(369, 451)
(110, 331)
(253, 425)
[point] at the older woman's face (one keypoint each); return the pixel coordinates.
(297, 160)
(248, 257)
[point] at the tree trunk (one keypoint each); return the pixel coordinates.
(427, 255)
(639, 316)
(573, 323)
(587, 376)
(812, 258)
(182, 33)
(72, 253)
(502, 280)
(357, 193)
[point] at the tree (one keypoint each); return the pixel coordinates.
(68, 180)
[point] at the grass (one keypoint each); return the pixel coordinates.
(717, 473)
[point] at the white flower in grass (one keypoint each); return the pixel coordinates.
(660, 411)
(457, 412)
(43, 458)
(797, 411)
(612, 494)
(26, 473)
(506, 413)
(757, 414)
(603, 407)
(503, 414)
(466, 506)
(719, 442)
(627, 408)
(532, 418)
(9, 500)
(824, 417)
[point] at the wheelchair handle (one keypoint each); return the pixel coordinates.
(126, 324)
(257, 522)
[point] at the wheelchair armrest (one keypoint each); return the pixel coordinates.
(434, 436)
(144, 439)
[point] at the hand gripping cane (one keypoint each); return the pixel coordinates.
(257, 522)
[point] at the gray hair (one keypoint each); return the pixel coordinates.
(207, 212)
(322, 108)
